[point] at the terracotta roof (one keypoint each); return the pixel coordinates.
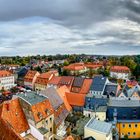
(55, 80)
(62, 93)
(7, 132)
(66, 80)
(93, 66)
(12, 112)
(86, 86)
(43, 78)
(30, 75)
(120, 69)
(4, 73)
(42, 110)
(75, 67)
(60, 111)
(69, 138)
(75, 99)
(60, 115)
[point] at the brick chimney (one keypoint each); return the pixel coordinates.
(7, 106)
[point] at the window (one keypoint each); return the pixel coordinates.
(47, 122)
(50, 119)
(50, 129)
(129, 125)
(123, 125)
(136, 125)
(128, 133)
(134, 133)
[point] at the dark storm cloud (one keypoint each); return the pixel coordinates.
(71, 12)
(79, 25)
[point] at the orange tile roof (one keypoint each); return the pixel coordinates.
(30, 75)
(75, 67)
(66, 80)
(7, 132)
(62, 93)
(60, 115)
(93, 66)
(55, 80)
(120, 69)
(69, 138)
(43, 108)
(12, 112)
(4, 73)
(75, 99)
(86, 86)
(43, 78)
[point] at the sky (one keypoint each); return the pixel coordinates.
(106, 27)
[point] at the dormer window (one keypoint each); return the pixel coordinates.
(39, 115)
(47, 111)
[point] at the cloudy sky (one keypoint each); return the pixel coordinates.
(69, 26)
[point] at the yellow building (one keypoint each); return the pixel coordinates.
(129, 128)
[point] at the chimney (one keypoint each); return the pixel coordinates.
(7, 106)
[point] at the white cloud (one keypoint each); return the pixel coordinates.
(44, 36)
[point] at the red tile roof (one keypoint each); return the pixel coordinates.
(75, 99)
(44, 78)
(93, 66)
(60, 115)
(12, 113)
(69, 138)
(75, 67)
(30, 75)
(42, 110)
(120, 69)
(55, 80)
(7, 132)
(4, 73)
(66, 80)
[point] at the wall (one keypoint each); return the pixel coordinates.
(97, 135)
(124, 130)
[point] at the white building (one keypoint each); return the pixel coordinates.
(120, 72)
(98, 129)
(99, 113)
(7, 80)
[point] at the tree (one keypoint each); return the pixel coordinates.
(65, 73)
(136, 71)
(66, 63)
(38, 69)
(59, 70)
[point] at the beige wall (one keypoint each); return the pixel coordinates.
(97, 135)
(40, 87)
(99, 115)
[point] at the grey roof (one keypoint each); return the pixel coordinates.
(98, 83)
(101, 109)
(32, 97)
(89, 138)
(111, 89)
(53, 96)
(124, 102)
(78, 82)
(43, 130)
(100, 126)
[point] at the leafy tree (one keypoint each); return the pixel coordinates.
(38, 69)
(136, 71)
(66, 63)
